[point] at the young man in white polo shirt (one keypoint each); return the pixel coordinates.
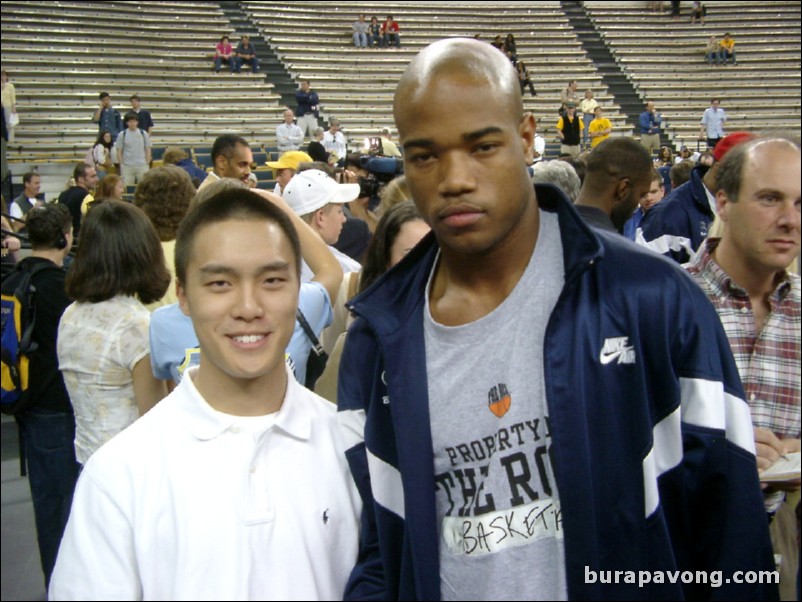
(235, 486)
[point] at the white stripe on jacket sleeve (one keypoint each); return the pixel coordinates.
(704, 403)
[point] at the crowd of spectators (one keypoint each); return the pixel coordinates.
(373, 34)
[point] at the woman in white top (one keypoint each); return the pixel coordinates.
(587, 106)
(101, 153)
(103, 348)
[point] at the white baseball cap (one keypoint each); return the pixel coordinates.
(312, 189)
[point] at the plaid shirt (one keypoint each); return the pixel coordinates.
(768, 361)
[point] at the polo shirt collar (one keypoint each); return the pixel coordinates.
(722, 283)
(206, 423)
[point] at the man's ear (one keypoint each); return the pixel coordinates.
(182, 297)
(526, 129)
(722, 205)
(319, 217)
(622, 189)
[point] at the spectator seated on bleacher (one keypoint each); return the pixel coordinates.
(390, 32)
(246, 54)
(711, 51)
(174, 155)
(224, 52)
(360, 27)
(727, 50)
(375, 33)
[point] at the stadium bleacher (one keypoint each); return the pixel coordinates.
(59, 60)
(760, 93)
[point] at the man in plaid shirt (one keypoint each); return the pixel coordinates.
(744, 273)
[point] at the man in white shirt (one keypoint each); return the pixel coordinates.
(235, 486)
(289, 136)
(334, 140)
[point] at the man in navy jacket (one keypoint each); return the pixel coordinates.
(535, 409)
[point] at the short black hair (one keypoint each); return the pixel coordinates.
(48, 225)
(224, 145)
(104, 95)
(237, 204)
(619, 157)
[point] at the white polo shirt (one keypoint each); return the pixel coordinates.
(193, 504)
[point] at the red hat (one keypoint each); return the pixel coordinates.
(729, 141)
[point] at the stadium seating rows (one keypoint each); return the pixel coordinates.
(59, 60)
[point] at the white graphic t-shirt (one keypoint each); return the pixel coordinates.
(497, 503)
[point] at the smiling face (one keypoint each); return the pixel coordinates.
(762, 228)
(33, 187)
(241, 291)
(464, 149)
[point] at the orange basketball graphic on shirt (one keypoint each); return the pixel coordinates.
(499, 400)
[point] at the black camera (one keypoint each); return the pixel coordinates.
(380, 171)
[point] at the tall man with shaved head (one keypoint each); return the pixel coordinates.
(531, 404)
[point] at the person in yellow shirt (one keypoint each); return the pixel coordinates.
(727, 50)
(599, 129)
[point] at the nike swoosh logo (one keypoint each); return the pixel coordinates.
(606, 358)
